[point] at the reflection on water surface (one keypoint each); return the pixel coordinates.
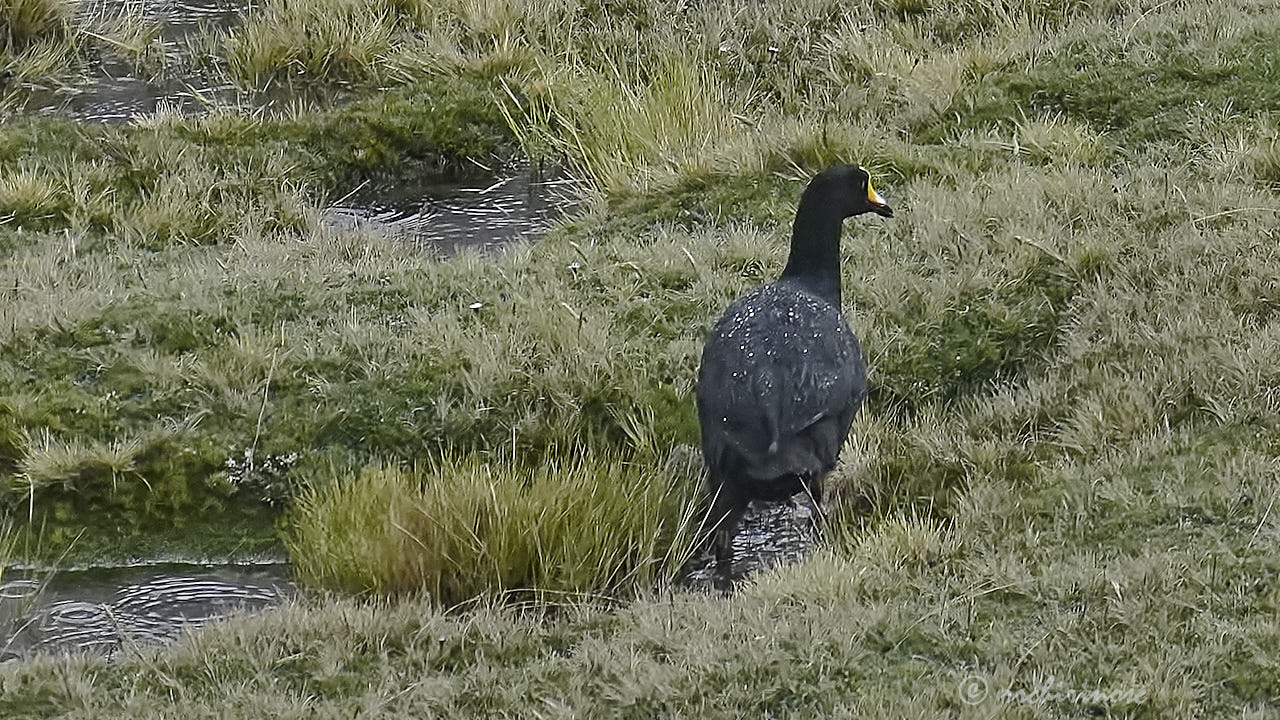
(106, 610)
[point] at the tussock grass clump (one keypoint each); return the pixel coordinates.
(326, 38)
(31, 199)
(1264, 159)
(624, 125)
(44, 40)
(157, 482)
(1051, 139)
(50, 463)
(8, 541)
(462, 528)
(24, 22)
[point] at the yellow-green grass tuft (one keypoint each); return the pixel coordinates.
(24, 22)
(1051, 138)
(623, 126)
(52, 462)
(13, 441)
(8, 540)
(313, 38)
(1265, 157)
(580, 524)
(42, 40)
(29, 198)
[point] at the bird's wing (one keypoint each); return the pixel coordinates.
(768, 407)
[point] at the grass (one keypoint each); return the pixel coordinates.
(28, 21)
(7, 541)
(1023, 591)
(1064, 476)
(329, 38)
(468, 528)
(52, 41)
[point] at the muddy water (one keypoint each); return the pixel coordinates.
(445, 217)
(107, 610)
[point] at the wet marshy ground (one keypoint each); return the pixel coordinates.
(489, 210)
(109, 610)
(106, 610)
(120, 86)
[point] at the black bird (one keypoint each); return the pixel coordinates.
(782, 374)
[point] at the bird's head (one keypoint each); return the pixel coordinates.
(849, 188)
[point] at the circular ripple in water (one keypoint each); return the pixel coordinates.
(107, 610)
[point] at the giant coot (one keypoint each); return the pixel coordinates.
(782, 375)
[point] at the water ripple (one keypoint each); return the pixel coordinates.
(108, 609)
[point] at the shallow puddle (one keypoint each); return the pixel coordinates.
(771, 534)
(179, 18)
(446, 217)
(106, 610)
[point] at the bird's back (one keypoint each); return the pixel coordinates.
(781, 379)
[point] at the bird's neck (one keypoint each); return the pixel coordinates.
(815, 251)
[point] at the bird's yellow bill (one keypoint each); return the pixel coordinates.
(873, 196)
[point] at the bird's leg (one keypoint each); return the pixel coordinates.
(724, 536)
(726, 509)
